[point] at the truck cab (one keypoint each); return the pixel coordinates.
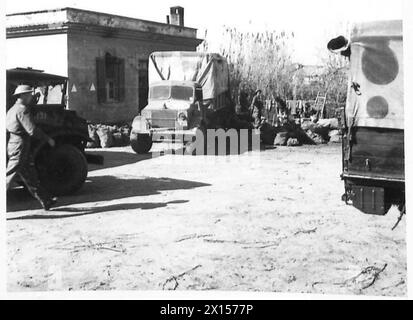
(174, 111)
(187, 91)
(174, 105)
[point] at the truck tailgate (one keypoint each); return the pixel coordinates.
(376, 153)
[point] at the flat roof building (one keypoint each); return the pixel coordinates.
(105, 56)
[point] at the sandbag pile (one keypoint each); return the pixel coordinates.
(268, 133)
(335, 136)
(323, 131)
(292, 135)
(293, 142)
(105, 136)
(281, 139)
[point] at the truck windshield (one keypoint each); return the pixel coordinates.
(159, 92)
(174, 92)
(182, 93)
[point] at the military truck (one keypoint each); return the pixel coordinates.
(63, 169)
(188, 91)
(373, 144)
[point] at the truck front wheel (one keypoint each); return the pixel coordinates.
(141, 143)
(62, 170)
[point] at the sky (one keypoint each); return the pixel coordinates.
(313, 22)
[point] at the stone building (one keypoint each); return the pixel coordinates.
(104, 56)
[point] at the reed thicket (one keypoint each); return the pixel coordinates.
(264, 60)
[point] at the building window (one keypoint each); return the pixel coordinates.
(143, 83)
(110, 79)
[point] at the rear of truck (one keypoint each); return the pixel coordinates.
(187, 91)
(373, 144)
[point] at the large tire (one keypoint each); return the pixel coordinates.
(62, 170)
(141, 143)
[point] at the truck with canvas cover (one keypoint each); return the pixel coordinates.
(188, 91)
(373, 144)
(63, 169)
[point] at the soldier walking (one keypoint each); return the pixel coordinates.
(20, 126)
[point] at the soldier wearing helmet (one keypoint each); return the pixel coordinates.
(21, 128)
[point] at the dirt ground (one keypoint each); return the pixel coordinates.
(268, 221)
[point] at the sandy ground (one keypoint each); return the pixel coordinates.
(264, 221)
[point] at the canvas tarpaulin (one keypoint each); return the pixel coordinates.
(375, 97)
(208, 69)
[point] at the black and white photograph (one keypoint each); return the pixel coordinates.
(220, 147)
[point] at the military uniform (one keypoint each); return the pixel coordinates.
(242, 108)
(21, 128)
(257, 111)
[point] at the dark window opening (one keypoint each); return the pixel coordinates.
(198, 94)
(143, 83)
(110, 79)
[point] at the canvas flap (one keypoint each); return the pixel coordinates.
(375, 97)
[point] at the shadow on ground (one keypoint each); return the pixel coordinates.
(116, 158)
(62, 213)
(104, 188)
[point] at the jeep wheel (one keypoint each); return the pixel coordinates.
(62, 170)
(141, 143)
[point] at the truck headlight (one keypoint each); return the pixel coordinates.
(146, 114)
(182, 116)
(140, 124)
(182, 119)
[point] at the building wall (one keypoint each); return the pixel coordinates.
(46, 52)
(83, 49)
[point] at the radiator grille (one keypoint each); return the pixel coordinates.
(163, 118)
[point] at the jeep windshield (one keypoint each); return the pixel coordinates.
(51, 94)
(48, 88)
(164, 92)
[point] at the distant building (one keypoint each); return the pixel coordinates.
(105, 56)
(311, 73)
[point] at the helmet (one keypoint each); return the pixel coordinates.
(22, 89)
